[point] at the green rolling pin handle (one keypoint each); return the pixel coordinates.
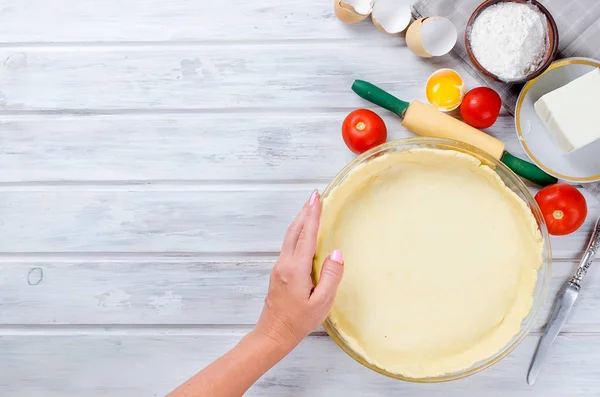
(376, 95)
(527, 170)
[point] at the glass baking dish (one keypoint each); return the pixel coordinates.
(513, 182)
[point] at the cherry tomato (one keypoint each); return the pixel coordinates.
(480, 107)
(363, 129)
(564, 208)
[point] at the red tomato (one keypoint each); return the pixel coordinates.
(564, 208)
(363, 129)
(480, 107)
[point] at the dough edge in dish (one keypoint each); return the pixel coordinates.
(507, 328)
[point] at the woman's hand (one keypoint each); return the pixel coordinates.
(294, 307)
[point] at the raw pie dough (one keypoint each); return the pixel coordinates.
(441, 261)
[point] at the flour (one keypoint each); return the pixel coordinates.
(509, 39)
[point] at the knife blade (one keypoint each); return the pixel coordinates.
(563, 305)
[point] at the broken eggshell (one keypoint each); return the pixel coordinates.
(352, 11)
(431, 36)
(391, 16)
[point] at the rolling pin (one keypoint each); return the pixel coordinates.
(425, 120)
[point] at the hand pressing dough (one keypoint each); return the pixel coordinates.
(441, 261)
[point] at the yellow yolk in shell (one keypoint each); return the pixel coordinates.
(445, 89)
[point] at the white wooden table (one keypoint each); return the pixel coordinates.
(152, 154)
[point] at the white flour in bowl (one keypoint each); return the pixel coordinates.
(509, 39)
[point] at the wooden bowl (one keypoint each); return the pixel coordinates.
(552, 39)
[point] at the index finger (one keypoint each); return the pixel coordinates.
(307, 241)
(293, 233)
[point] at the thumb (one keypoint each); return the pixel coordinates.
(331, 277)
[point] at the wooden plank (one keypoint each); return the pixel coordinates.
(183, 291)
(151, 365)
(128, 292)
(175, 147)
(171, 219)
(278, 76)
(181, 20)
(262, 146)
(105, 220)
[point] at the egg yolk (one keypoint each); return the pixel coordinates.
(445, 89)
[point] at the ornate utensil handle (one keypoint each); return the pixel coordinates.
(588, 256)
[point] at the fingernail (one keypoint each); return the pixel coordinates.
(313, 197)
(337, 256)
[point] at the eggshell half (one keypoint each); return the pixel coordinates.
(391, 16)
(431, 36)
(352, 11)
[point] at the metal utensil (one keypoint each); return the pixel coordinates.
(563, 304)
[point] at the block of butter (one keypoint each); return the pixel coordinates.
(571, 113)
